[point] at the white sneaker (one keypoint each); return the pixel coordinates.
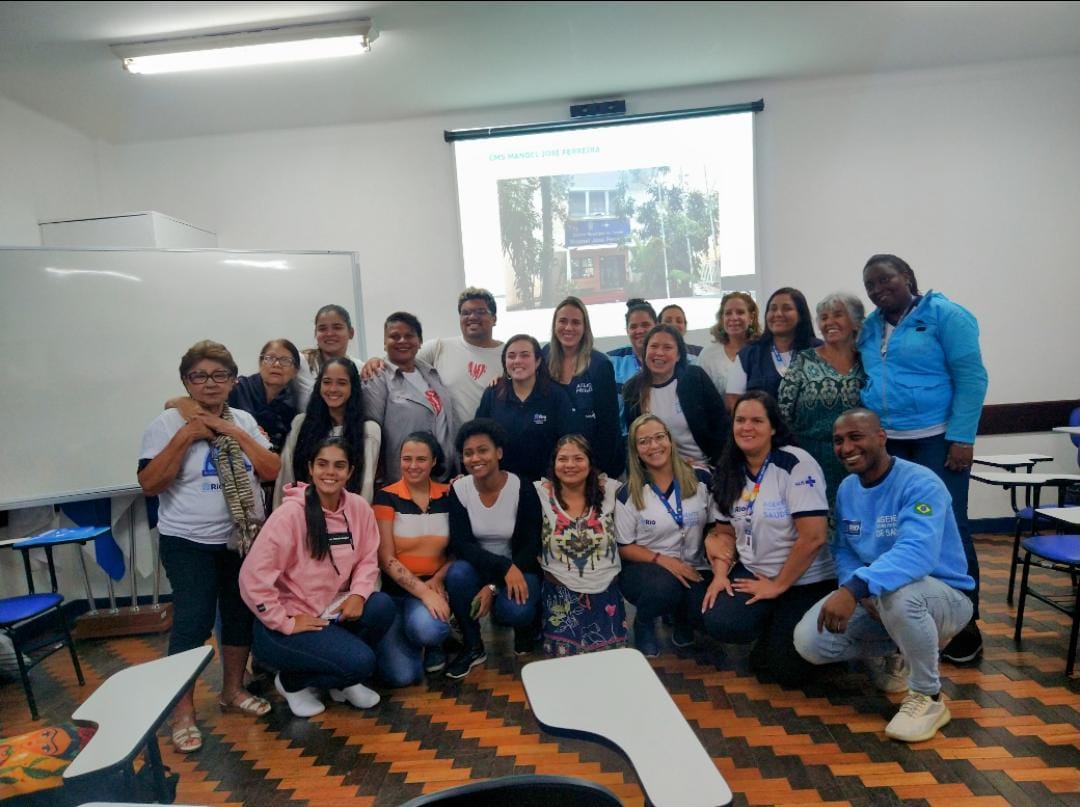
(890, 673)
(302, 703)
(919, 718)
(358, 695)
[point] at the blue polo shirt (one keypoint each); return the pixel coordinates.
(533, 426)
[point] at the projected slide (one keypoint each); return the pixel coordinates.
(660, 210)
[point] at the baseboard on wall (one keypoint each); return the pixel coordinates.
(1001, 524)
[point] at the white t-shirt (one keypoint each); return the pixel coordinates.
(193, 506)
(493, 526)
(736, 377)
(793, 486)
(581, 553)
(714, 361)
(655, 529)
(466, 370)
(664, 403)
(304, 381)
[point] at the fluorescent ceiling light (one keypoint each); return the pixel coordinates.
(292, 43)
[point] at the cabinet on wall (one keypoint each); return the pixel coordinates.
(127, 231)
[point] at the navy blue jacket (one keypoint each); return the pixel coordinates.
(703, 408)
(275, 417)
(533, 426)
(597, 403)
(756, 359)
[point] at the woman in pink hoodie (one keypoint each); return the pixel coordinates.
(310, 579)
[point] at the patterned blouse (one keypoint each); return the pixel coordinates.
(581, 553)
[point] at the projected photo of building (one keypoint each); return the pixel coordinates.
(608, 236)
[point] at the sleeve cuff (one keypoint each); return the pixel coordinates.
(858, 587)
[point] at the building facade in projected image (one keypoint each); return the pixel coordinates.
(609, 236)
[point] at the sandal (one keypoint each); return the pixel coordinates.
(187, 738)
(251, 705)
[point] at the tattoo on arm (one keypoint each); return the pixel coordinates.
(404, 578)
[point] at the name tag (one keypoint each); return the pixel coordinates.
(851, 527)
(339, 538)
(539, 419)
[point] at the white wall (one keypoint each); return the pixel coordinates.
(47, 171)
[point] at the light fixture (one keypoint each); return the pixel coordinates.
(290, 43)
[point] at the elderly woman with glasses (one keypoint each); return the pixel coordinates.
(268, 395)
(204, 470)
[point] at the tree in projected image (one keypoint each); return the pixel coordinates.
(532, 258)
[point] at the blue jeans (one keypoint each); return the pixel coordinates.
(462, 584)
(768, 623)
(930, 452)
(335, 657)
(918, 619)
(401, 651)
(654, 591)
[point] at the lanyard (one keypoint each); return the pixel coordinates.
(677, 513)
(885, 334)
(778, 360)
(753, 498)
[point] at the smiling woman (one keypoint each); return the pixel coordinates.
(333, 331)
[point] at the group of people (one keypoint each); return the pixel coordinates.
(807, 496)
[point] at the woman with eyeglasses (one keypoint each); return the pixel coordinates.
(337, 411)
(660, 517)
(767, 549)
(268, 395)
(204, 471)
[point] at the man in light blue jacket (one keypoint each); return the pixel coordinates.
(903, 577)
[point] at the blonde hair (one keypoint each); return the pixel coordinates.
(555, 348)
(637, 476)
(753, 330)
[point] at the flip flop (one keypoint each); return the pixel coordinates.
(187, 738)
(252, 705)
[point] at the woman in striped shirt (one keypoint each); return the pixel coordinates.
(413, 515)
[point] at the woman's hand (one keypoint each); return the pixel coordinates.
(436, 585)
(516, 587)
(220, 426)
(302, 623)
(481, 603)
(719, 583)
(372, 367)
(680, 570)
(759, 587)
(352, 608)
(437, 606)
(959, 457)
(198, 428)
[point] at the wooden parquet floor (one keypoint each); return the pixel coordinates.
(1014, 737)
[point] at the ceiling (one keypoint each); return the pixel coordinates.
(437, 57)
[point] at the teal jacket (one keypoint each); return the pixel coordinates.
(932, 372)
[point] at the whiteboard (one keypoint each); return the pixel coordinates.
(92, 340)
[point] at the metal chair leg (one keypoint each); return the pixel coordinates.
(1023, 597)
(1015, 562)
(1073, 635)
(71, 646)
(24, 674)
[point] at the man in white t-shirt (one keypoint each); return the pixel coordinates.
(467, 363)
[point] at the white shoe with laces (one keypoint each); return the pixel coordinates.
(890, 673)
(303, 702)
(358, 695)
(919, 718)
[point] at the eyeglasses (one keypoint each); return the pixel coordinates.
(465, 313)
(277, 361)
(659, 438)
(199, 378)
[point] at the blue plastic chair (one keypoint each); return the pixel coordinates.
(18, 616)
(1061, 553)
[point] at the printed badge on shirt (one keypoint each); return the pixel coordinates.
(539, 419)
(210, 469)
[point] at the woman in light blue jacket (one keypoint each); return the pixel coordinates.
(926, 381)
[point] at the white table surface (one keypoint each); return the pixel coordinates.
(1067, 429)
(1065, 515)
(615, 695)
(130, 705)
(1011, 460)
(1009, 479)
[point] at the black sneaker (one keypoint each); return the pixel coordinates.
(524, 641)
(682, 635)
(465, 660)
(965, 647)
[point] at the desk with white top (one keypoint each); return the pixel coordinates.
(1035, 481)
(128, 709)
(1066, 516)
(616, 696)
(1067, 429)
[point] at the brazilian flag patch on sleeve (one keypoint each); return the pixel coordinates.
(923, 509)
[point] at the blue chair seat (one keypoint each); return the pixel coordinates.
(16, 609)
(1064, 549)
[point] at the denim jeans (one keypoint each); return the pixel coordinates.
(655, 591)
(462, 584)
(401, 651)
(335, 657)
(204, 579)
(930, 452)
(918, 619)
(768, 623)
